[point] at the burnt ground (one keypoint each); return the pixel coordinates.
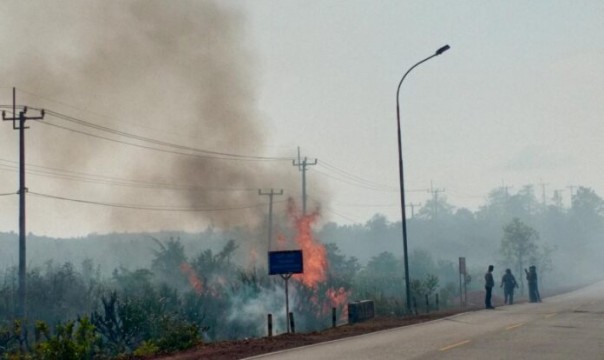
(245, 348)
(238, 349)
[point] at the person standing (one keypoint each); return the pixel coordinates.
(508, 283)
(489, 282)
(531, 278)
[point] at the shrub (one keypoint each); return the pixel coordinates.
(73, 341)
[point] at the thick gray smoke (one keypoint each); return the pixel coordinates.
(178, 71)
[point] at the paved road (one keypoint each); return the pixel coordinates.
(568, 326)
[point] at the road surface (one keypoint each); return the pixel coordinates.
(567, 326)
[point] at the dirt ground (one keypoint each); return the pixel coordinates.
(238, 349)
(228, 350)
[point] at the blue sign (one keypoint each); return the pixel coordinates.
(285, 262)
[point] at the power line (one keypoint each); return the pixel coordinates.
(160, 142)
(94, 113)
(365, 205)
(353, 183)
(349, 182)
(208, 154)
(355, 177)
(147, 207)
(208, 157)
(329, 209)
(106, 180)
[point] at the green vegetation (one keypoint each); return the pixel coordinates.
(168, 293)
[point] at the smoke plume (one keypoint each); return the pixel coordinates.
(180, 72)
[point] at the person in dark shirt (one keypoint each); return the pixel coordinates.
(531, 277)
(489, 282)
(508, 283)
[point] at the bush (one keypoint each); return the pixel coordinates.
(176, 334)
(73, 341)
(146, 348)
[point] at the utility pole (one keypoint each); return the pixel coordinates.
(302, 164)
(543, 200)
(22, 190)
(557, 198)
(572, 193)
(270, 213)
(412, 206)
(434, 193)
(506, 190)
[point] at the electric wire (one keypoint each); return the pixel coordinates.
(216, 154)
(208, 154)
(207, 157)
(329, 209)
(354, 177)
(342, 175)
(349, 182)
(106, 180)
(148, 207)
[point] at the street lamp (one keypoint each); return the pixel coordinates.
(400, 167)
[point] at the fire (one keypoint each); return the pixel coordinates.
(195, 282)
(316, 264)
(338, 299)
(211, 288)
(314, 253)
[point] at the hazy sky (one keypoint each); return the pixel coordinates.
(517, 100)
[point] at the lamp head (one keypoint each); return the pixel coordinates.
(442, 49)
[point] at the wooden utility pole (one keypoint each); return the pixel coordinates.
(302, 164)
(434, 193)
(19, 124)
(543, 197)
(270, 213)
(412, 206)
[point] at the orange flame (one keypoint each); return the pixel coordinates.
(314, 253)
(315, 261)
(338, 299)
(195, 282)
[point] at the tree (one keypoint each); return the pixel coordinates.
(227, 251)
(383, 274)
(166, 266)
(340, 266)
(587, 209)
(518, 245)
(421, 264)
(437, 207)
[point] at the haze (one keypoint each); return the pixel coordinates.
(516, 101)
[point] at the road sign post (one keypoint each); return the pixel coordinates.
(463, 291)
(285, 263)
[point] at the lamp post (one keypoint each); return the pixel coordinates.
(400, 167)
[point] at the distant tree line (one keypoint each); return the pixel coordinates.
(169, 293)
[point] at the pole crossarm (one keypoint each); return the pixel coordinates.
(22, 116)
